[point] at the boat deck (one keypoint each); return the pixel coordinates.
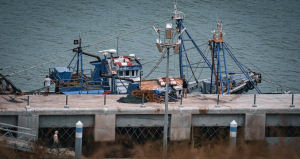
(153, 84)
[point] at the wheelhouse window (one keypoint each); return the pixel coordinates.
(121, 73)
(137, 72)
(132, 73)
(127, 73)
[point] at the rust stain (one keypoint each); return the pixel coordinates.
(3, 109)
(235, 97)
(203, 110)
(157, 110)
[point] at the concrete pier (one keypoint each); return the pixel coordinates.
(198, 110)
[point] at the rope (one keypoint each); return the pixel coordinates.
(127, 33)
(281, 85)
(159, 61)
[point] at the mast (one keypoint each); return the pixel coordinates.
(179, 19)
(218, 55)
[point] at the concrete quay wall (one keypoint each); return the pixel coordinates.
(197, 111)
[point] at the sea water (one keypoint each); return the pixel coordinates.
(37, 35)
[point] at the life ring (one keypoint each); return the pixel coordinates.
(250, 86)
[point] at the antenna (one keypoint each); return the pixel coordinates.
(217, 17)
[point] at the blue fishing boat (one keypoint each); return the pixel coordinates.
(122, 74)
(111, 74)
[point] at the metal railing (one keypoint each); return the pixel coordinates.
(17, 137)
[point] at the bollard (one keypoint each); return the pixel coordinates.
(66, 106)
(104, 106)
(254, 105)
(292, 101)
(233, 130)
(218, 102)
(181, 102)
(143, 106)
(78, 140)
(27, 106)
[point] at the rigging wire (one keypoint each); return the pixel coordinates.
(253, 65)
(196, 30)
(203, 66)
(127, 33)
(82, 47)
(22, 66)
(187, 58)
(32, 67)
(199, 63)
(281, 85)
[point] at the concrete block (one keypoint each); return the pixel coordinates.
(47, 121)
(29, 121)
(105, 127)
(180, 128)
(255, 126)
(139, 120)
(9, 119)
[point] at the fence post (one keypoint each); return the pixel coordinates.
(27, 106)
(66, 106)
(292, 101)
(143, 106)
(218, 102)
(233, 130)
(254, 105)
(104, 106)
(78, 140)
(181, 102)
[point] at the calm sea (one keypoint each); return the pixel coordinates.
(264, 35)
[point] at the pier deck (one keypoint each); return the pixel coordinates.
(197, 111)
(273, 103)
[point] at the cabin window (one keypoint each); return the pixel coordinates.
(132, 73)
(127, 73)
(137, 72)
(121, 73)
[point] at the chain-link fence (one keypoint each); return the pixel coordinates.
(203, 136)
(128, 136)
(282, 131)
(66, 137)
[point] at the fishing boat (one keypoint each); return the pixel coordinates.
(122, 74)
(111, 74)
